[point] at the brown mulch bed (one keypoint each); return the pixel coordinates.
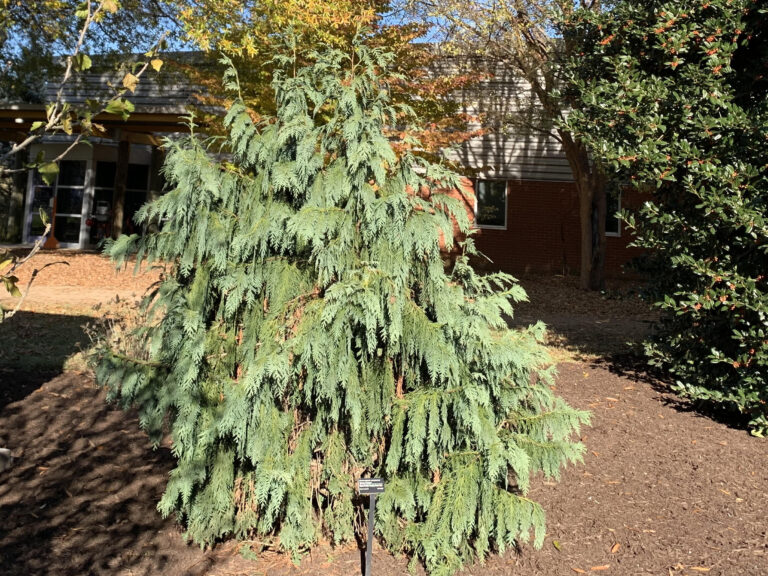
(82, 269)
(587, 324)
(662, 490)
(68, 281)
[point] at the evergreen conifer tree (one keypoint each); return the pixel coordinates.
(308, 334)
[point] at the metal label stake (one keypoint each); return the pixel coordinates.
(370, 487)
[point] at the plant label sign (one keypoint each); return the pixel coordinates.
(369, 486)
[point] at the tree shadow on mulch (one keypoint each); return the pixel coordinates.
(35, 348)
(80, 496)
(633, 364)
(35, 341)
(17, 385)
(616, 345)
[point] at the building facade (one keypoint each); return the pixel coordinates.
(526, 202)
(526, 207)
(81, 203)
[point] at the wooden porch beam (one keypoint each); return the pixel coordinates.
(121, 183)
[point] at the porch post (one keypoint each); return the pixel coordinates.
(155, 181)
(121, 183)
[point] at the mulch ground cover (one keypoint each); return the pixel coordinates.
(663, 490)
(83, 270)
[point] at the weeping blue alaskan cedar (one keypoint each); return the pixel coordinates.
(308, 333)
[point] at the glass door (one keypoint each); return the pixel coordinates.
(100, 219)
(41, 199)
(137, 186)
(66, 213)
(70, 190)
(102, 210)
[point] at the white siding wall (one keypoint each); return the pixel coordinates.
(518, 144)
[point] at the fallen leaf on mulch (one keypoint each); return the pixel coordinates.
(615, 548)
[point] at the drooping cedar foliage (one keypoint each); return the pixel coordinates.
(308, 334)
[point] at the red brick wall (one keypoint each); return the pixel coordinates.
(542, 233)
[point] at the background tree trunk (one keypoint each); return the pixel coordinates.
(599, 247)
(593, 205)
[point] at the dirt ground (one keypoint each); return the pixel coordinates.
(69, 280)
(662, 490)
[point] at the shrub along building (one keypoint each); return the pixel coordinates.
(526, 208)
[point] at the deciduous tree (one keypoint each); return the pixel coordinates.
(36, 36)
(48, 24)
(250, 32)
(521, 34)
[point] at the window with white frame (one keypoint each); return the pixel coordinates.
(491, 204)
(66, 193)
(612, 220)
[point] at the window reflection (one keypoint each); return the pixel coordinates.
(491, 203)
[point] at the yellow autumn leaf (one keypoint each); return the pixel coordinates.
(130, 82)
(110, 6)
(156, 64)
(66, 125)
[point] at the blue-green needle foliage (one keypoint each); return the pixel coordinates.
(309, 334)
